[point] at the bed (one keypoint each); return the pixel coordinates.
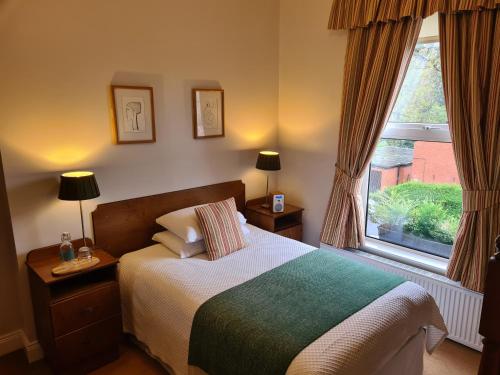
(161, 293)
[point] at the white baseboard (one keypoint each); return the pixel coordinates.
(11, 342)
(16, 340)
(33, 349)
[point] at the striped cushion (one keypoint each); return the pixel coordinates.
(221, 228)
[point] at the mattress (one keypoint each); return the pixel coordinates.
(161, 293)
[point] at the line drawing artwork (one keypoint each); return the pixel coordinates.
(210, 112)
(133, 113)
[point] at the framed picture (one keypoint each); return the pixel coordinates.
(134, 114)
(208, 113)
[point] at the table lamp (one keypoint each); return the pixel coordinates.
(268, 161)
(79, 186)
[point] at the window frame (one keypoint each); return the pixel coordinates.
(403, 254)
(414, 132)
(417, 132)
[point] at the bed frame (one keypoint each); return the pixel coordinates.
(128, 225)
(490, 326)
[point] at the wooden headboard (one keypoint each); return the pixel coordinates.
(124, 226)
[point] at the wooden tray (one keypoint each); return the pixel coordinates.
(74, 266)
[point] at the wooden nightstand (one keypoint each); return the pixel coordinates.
(287, 223)
(78, 316)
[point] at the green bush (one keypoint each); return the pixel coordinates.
(449, 196)
(430, 211)
(428, 221)
(390, 208)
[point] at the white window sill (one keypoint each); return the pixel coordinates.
(407, 256)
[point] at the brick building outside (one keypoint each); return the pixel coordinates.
(430, 162)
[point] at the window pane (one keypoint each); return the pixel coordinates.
(414, 195)
(421, 98)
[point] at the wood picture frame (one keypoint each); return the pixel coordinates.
(134, 114)
(208, 113)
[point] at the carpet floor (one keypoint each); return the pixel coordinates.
(450, 359)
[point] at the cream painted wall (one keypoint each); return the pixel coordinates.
(311, 62)
(58, 58)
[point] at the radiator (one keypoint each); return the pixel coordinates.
(460, 307)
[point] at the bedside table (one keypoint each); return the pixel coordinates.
(77, 316)
(287, 223)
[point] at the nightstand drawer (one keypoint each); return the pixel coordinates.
(261, 221)
(82, 348)
(294, 232)
(287, 223)
(85, 308)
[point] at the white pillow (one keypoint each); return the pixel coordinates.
(241, 218)
(178, 245)
(184, 223)
(244, 229)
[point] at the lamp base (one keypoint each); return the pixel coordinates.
(84, 253)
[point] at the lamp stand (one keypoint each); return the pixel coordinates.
(266, 205)
(84, 252)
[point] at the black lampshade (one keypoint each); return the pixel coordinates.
(78, 186)
(268, 161)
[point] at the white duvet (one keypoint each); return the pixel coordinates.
(161, 293)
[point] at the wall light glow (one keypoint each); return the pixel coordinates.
(252, 136)
(67, 155)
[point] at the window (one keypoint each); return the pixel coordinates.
(414, 195)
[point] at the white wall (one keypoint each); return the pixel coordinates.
(58, 58)
(311, 63)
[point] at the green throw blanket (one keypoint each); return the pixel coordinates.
(260, 326)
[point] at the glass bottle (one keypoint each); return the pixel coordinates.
(66, 251)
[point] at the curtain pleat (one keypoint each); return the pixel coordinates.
(376, 61)
(350, 14)
(470, 58)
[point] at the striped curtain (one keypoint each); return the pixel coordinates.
(350, 14)
(376, 61)
(470, 58)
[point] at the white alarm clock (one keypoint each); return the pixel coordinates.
(278, 202)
